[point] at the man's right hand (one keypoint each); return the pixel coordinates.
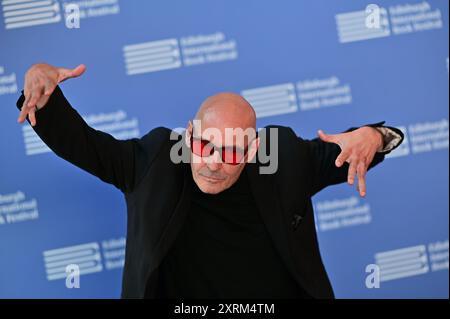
(40, 82)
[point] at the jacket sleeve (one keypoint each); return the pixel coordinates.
(119, 162)
(323, 156)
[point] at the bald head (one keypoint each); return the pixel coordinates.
(227, 110)
(226, 120)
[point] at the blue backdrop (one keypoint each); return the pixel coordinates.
(305, 64)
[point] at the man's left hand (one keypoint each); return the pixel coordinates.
(358, 148)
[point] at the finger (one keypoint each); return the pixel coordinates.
(65, 73)
(32, 117)
(79, 70)
(23, 110)
(23, 113)
(369, 160)
(351, 173)
(35, 96)
(342, 158)
(329, 138)
(361, 170)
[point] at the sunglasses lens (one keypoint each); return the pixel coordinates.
(201, 148)
(207, 149)
(204, 148)
(196, 146)
(232, 157)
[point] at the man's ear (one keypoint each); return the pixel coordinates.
(252, 150)
(187, 135)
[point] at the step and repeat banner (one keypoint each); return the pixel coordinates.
(310, 65)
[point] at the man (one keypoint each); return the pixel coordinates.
(215, 225)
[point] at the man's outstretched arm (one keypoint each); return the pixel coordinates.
(337, 158)
(65, 132)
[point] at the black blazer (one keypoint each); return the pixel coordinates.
(158, 198)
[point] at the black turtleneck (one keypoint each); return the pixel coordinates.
(224, 251)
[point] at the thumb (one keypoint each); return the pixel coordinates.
(65, 74)
(329, 138)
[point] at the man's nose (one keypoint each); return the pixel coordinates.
(214, 162)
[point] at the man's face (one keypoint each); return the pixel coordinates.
(214, 171)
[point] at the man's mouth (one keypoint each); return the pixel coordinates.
(212, 179)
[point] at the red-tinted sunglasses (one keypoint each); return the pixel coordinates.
(230, 155)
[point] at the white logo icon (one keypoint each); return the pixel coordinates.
(363, 25)
(272, 100)
(152, 56)
(401, 263)
(86, 257)
(26, 13)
